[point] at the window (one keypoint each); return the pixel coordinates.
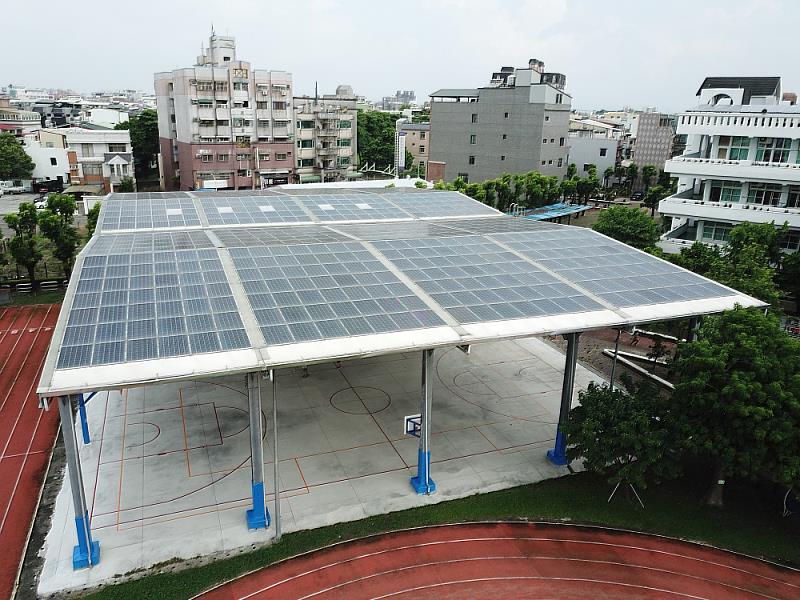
(305, 124)
(586, 167)
(502, 157)
(473, 139)
(223, 157)
(279, 105)
(262, 105)
(243, 156)
(223, 122)
(305, 162)
(305, 143)
(422, 135)
(505, 116)
(240, 86)
(549, 162)
(53, 161)
(733, 147)
(794, 197)
(505, 137)
(791, 241)
(345, 143)
(768, 194)
(263, 122)
(92, 169)
(544, 162)
(464, 177)
(422, 149)
(774, 150)
(547, 117)
(116, 147)
(206, 158)
(719, 232)
(474, 117)
(344, 161)
(264, 156)
(603, 151)
(559, 98)
(280, 156)
(544, 140)
(243, 173)
(560, 162)
(552, 141)
(725, 191)
(345, 124)
(471, 160)
(560, 141)
(87, 150)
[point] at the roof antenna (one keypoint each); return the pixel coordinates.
(316, 94)
(212, 29)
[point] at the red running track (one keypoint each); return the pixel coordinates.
(505, 561)
(26, 433)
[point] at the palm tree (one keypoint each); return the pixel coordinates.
(632, 174)
(648, 172)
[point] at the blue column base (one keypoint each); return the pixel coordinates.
(258, 516)
(422, 483)
(87, 552)
(558, 455)
(84, 422)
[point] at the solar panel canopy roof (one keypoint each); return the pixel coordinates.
(185, 285)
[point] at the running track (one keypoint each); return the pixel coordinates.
(504, 561)
(26, 433)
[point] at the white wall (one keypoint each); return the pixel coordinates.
(586, 150)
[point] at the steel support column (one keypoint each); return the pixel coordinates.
(422, 482)
(258, 516)
(558, 454)
(84, 422)
(87, 552)
(277, 508)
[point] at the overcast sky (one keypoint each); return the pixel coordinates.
(615, 53)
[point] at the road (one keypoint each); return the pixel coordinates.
(9, 204)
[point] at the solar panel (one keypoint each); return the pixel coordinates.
(320, 291)
(248, 210)
(397, 231)
(430, 204)
(278, 236)
(137, 299)
(147, 213)
(351, 207)
(497, 224)
(476, 280)
(613, 271)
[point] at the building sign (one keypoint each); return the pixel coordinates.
(213, 184)
(400, 150)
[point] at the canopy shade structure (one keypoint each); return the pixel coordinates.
(181, 286)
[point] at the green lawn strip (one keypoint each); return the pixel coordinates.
(747, 525)
(46, 297)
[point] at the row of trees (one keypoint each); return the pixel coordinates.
(35, 229)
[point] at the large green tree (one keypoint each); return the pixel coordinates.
(653, 196)
(699, 257)
(621, 435)
(648, 173)
(628, 225)
(14, 162)
(737, 399)
(144, 139)
(91, 219)
(25, 246)
(376, 138)
(56, 222)
(789, 276)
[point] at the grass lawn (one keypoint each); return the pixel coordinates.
(46, 297)
(748, 524)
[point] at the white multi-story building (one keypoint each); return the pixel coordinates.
(741, 163)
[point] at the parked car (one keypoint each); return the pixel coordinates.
(10, 187)
(40, 203)
(637, 196)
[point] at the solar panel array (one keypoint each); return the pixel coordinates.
(301, 293)
(179, 274)
(476, 280)
(615, 272)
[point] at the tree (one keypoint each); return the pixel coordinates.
(144, 140)
(607, 175)
(628, 225)
(569, 187)
(56, 222)
(699, 257)
(14, 162)
(653, 196)
(376, 131)
(572, 170)
(737, 399)
(763, 235)
(648, 172)
(632, 174)
(91, 219)
(125, 185)
(26, 245)
(789, 276)
(747, 270)
(621, 435)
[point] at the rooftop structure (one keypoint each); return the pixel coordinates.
(741, 163)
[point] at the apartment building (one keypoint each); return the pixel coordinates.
(415, 140)
(741, 163)
(594, 142)
(223, 124)
(15, 121)
(326, 136)
(518, 123)
(97, 160)
(653, 142)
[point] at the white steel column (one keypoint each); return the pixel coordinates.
(258, 516)
(87, 552)
(277, 508)
(422, 482)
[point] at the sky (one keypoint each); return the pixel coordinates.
(614, 53)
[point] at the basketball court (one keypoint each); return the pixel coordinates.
(167, 472)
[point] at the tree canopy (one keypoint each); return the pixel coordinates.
(14, 161)
(737, 399)
(144, 139)
(25, 246)
(376, 138)
(628, 225)
(56, 223)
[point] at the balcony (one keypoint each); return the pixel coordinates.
(326, 132)
(684, 206)
(709, 168)
(327, 150)
(683, 236)
(746, 124)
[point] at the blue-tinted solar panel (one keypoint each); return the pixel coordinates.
(151, 212)
(352, 207)
(430, 204)
(247, 210)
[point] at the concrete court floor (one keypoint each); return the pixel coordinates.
(167, 473)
